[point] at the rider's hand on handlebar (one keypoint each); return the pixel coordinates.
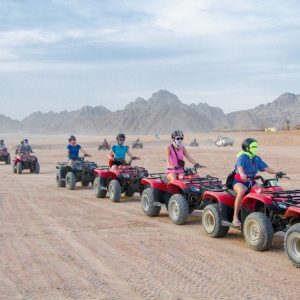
(280, 174)
(197, 166)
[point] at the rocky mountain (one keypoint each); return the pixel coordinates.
(9, 125)
(161, 113)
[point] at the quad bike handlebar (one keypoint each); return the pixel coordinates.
(278, 175)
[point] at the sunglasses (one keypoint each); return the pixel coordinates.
(179, 139)
(121, 140)
(72, 140)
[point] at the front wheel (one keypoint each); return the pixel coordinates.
(59, 181)
(70, 181)
(212, 221)
(147, 201)
(99, 190)
(8, 160)
(292, 244)
(37, 168)
(114, 190)
(258, 231)
(178, 209)
(19, 168)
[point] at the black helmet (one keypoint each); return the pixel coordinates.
(72, 137)
(246, 143)
(176, 133)
(120, 136)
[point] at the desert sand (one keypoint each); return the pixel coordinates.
(61, 244)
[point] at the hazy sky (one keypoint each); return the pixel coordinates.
(63, 54)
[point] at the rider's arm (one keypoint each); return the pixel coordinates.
(168, 157)
(270, 170)
(240, 170)
(187, 155)
(129, 153)
(111, 155)
(83, 151)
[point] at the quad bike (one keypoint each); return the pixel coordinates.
(125, 179)
(180, 197)
(224, 141)
(24, 161)
(194, 143)
(81, 170)
(5, 156)
(265, 209)
(137, 145)
(104, 146)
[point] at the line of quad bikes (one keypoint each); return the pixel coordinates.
(265, 209)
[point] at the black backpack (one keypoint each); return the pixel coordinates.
(230, 178)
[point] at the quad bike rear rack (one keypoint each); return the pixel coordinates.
(290, 198)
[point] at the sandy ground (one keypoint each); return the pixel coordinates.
(60, 244)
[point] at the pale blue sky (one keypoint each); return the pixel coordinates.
(64, 54)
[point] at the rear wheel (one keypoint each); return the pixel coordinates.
(99, 190)
(19, 168)
(147, 201)
(178, 209)
(14, 167)
(212, 221)
(258, 231)
(114, 190)
(8, 161)
(59, 181)
(70, 181)
(292, 244)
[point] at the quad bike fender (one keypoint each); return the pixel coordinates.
(154, 183)
(251, 201)
(16, 160)
(100, 173)
(220, 197)
(292, 212)
(177, 187)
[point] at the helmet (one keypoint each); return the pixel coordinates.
(120, 136)
(246, 143)
(72, 137)
(177, 133)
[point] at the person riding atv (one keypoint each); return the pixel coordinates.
(118, 152)
(2, 145)
(175, 155)
(24, 147)
(73, 150)
(247, 166)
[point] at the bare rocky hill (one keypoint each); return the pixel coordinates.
(161, 113)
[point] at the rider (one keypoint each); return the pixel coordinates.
(2, 145)
(73, 149)
(175, 155)
(25, 147)
(119, 151)
(247, 166)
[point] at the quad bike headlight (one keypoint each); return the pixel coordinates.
(282, 205)
(195, 189)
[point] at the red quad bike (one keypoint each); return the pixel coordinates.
(5, 156)
(126, 179)
(266, 209)
(25, 161)
(180, 197)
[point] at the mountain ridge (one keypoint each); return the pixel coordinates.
(161, 113)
